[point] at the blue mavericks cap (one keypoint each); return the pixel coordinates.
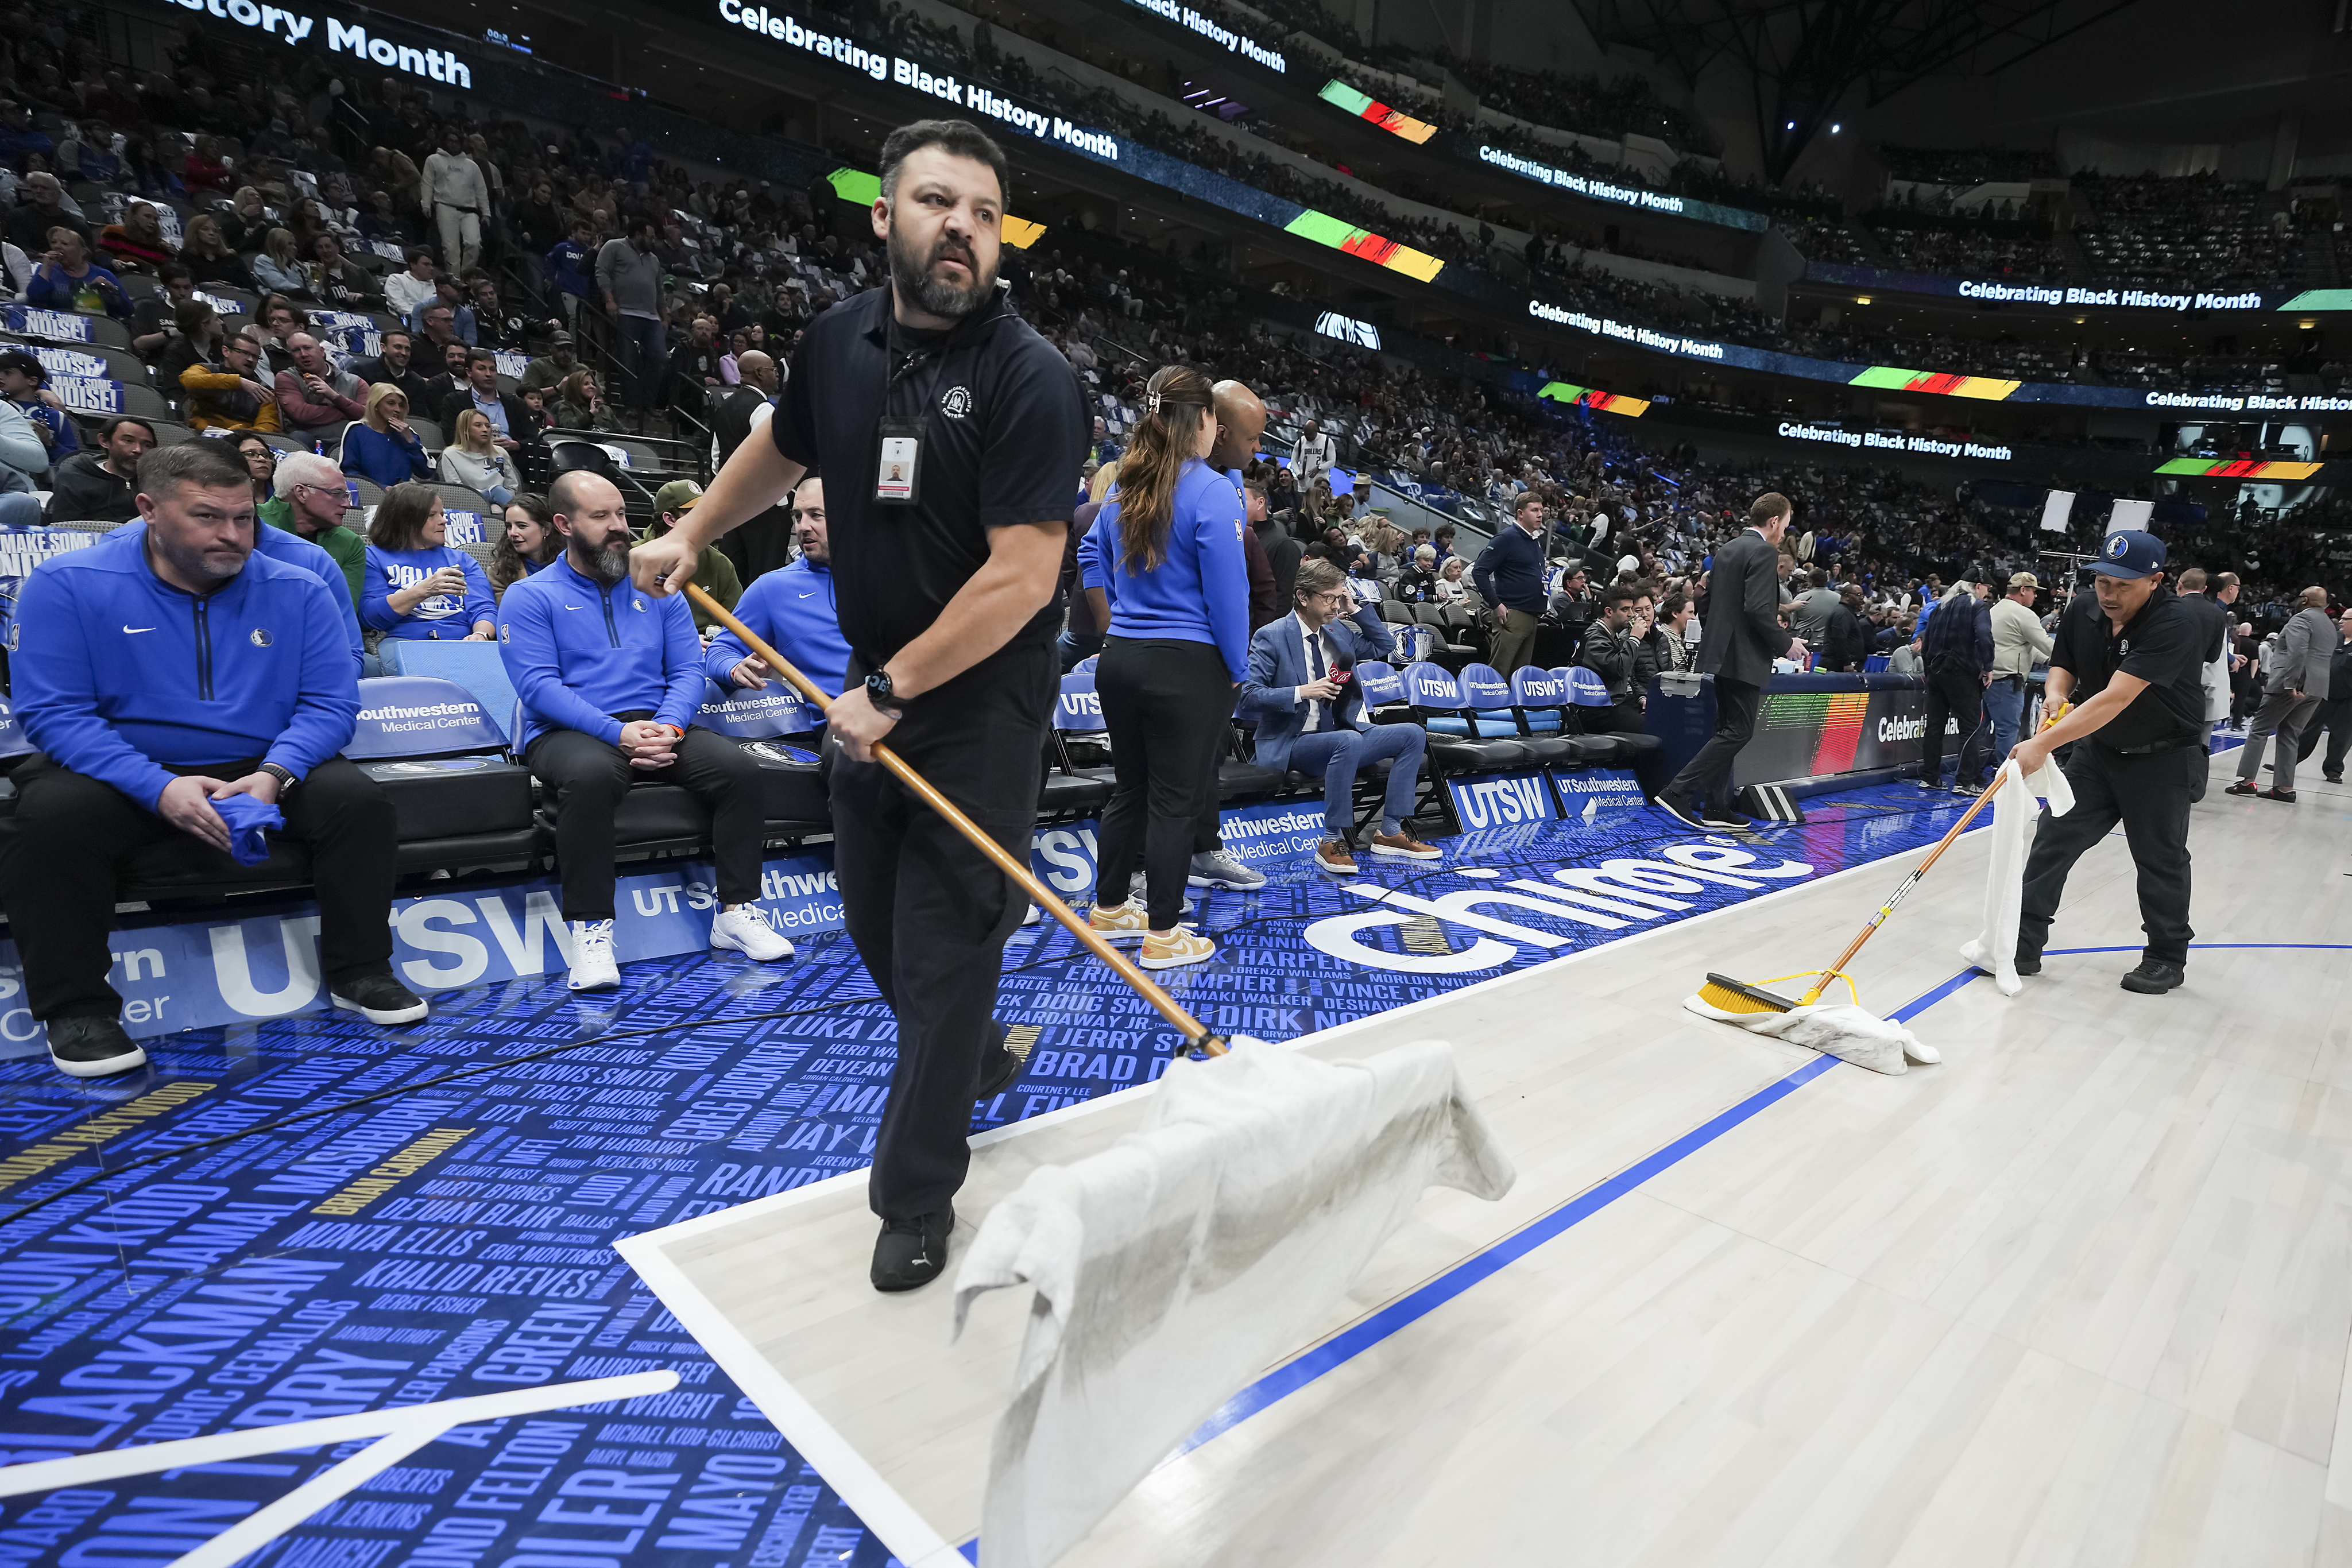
(2130, 552)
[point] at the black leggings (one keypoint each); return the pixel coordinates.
(1167, 706)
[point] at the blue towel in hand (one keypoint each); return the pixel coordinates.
(246, 816)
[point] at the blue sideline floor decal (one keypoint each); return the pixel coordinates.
(312, 1217)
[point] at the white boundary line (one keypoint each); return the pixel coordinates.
(400, 1431)
(910, 1537)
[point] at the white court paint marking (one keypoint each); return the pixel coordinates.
(402, 1432)
(894, 1520)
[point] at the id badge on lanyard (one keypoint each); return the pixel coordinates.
(898, 443)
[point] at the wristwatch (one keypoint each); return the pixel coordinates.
(286, 781)
(879, 692)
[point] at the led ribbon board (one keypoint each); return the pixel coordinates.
(2237, 468)
(1366, 108)
(1891, 378)
(1594, 398)
(1325, 229)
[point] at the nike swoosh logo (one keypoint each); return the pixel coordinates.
(575, 607)
(135, 630)
(810, 594)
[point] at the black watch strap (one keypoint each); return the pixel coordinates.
(879, 692)
(285, 776)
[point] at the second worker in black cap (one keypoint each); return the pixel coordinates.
(2131, 660)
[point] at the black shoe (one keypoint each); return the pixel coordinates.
(911, 1253)
(997, 1068)
(2154, 978)
(2243, 786)
(1973, 787)
(2332, 778)
(93, 1048)
(1681, 811)
(2027, 963)
(379, 999)
(1725, 821)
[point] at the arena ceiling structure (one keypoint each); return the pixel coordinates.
(1809, 61)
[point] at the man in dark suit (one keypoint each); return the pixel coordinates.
(1743, 635)
(510, 422)
(764, 544)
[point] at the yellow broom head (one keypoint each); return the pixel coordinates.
(1723, 992)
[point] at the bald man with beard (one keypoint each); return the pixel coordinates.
(1241, 421)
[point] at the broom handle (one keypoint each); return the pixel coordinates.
(1887, 908)
(1195, 1033)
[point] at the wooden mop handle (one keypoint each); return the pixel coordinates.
(1887, 908)
(1195, 1032)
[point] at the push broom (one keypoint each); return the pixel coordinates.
(1195, 1033)
(1728, 995)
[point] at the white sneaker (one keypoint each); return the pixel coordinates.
(1216, 868)
(741, 929)
(593, 968)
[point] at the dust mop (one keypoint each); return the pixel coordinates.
(1174, 1267)
(1848, 1030)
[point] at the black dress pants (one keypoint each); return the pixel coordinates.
(2149, 796)
(930, 914)
(2334, 716)
(1166, 706)
(1706, 779)
(1954, 696)
(59, 852)
(588, 777)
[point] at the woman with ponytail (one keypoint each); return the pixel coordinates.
(1166, 552)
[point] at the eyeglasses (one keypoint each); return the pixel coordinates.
(1337, 596)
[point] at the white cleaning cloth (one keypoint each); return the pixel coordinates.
(1841, 1029)
(2014, 811)
(1177, 1265)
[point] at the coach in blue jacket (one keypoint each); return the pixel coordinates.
(609, 678)
(162, 673)
(790, 609)
(1311, 724)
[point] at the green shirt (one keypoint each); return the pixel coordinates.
(349, 549)
(714, 574)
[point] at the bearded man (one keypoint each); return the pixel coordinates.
(610, 680)
(945, 579)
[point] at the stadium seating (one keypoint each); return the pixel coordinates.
(1436, 699)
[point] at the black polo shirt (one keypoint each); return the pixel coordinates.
(2164, 645)
(1004, 433)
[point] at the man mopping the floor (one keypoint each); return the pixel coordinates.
(2131, 660)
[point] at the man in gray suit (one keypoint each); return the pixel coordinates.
(2298, 685)
(1743, 635)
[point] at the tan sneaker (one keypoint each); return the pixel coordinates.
(1405, 845)
(1118, 922)
(1334, 856)
(1176, 949)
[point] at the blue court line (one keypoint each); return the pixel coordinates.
(1407, 1310)
(1402, 1313)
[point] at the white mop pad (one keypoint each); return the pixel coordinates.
(2014, 811)
(1841, 1029)
(1176, 1266)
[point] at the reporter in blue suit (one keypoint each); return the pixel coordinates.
(1311, 724)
